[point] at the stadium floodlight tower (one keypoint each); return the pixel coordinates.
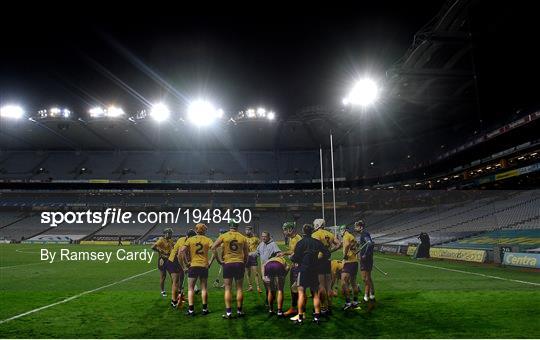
(203, 113)
(113, 111)
(160, 112)
(96, 112)
(364, 93)
(12, 111)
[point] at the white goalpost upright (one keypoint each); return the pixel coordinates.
(333, 178)
(322, 183)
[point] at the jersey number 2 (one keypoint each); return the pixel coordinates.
(199, 250)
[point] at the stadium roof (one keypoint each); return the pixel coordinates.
(437, 88)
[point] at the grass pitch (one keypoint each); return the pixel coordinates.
(121, 300)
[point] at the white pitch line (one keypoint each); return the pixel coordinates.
(21, 265)
(75, 297)
(26, 252)
(462, 271)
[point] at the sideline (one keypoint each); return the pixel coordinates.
(21, 265)
(460, 271)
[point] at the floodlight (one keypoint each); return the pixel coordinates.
(54, 110)
(96, 111)
(250, 113)
(220, 113)
(364, 93)
(66, 113)
(202, 113)
(261, 112)
(160, 112)
(271, 115)
(12, 111)
(114, 111)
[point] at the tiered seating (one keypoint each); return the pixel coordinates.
(23, 228)
(190, 165)
(100, 165)
(60, 165)
(518, 211)
(130, 229)
(8, 217)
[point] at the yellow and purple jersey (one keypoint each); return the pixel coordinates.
(279, 259)
(198, 247)
(233, 246)
(177, 246)
(293, 241)
(164, 245)
(337, 267)
(253, 242)
(349, 241)
(326, 237)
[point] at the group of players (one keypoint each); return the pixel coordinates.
(307, 258)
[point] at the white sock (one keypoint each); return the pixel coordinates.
(372, 296)
(365, 297)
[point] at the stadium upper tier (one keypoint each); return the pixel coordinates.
(134, 157)
(186, 165)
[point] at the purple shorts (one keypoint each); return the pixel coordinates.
(173, 266)
(252, 261)
(162, 264)
(274, 269)
(351, 268)
(198, 272)
(234, 270)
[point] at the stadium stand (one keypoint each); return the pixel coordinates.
(451, 218)
(134, 230)
(517, 210)
(526, 239)
(24, 228)
(8, 218)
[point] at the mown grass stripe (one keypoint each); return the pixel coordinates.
(75, 297)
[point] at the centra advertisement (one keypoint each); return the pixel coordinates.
(522, 260)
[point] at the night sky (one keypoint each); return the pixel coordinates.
(282, 58)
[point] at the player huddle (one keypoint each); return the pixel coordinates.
(307, 259)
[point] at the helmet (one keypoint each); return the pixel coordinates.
(318, 223)
(191, 233)
(200, 228)
(233, 225)
(289, 226)
(168, 232)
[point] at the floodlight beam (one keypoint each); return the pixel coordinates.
(12, 111)
(364, 93)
